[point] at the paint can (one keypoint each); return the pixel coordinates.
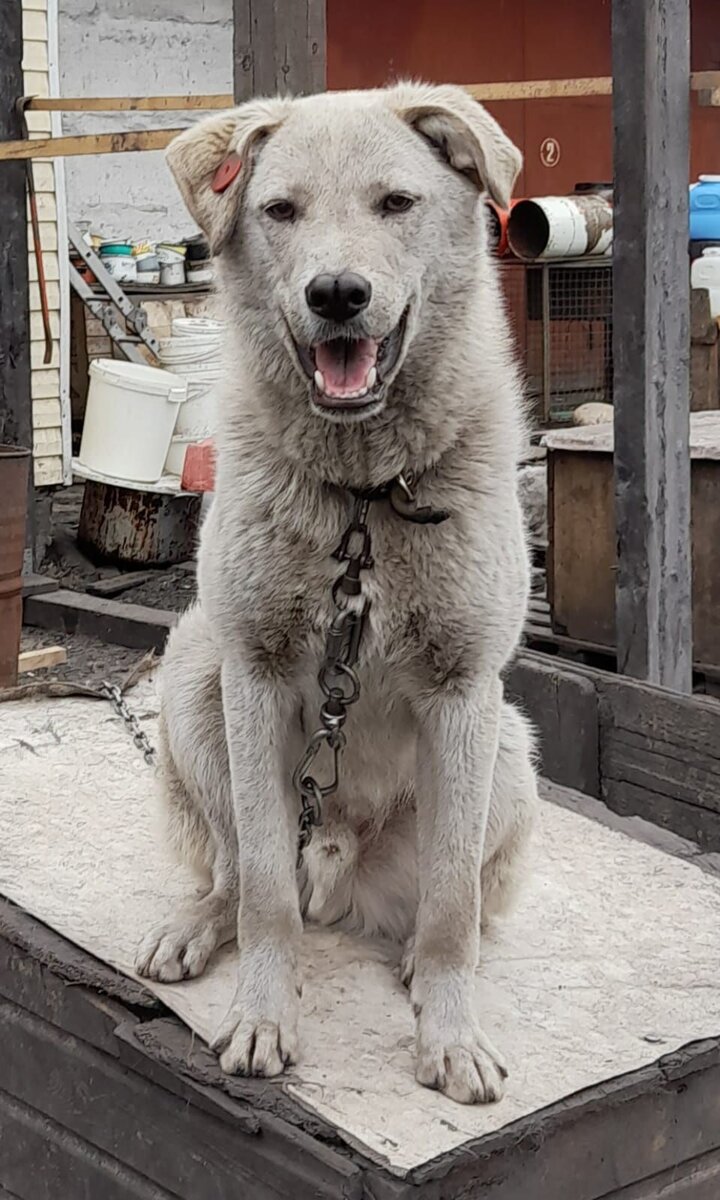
(119, 261)
(561, 226)
(148, 267)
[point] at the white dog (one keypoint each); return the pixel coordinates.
(366, 342)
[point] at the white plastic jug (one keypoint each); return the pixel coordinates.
(705, 273)
(129, 419)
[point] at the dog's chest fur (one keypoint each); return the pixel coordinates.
(430, 589)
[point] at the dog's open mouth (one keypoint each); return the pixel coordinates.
(348, 373)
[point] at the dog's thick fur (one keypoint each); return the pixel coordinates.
(438, 786)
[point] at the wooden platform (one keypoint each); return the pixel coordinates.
(102, 1095)
(600, 990)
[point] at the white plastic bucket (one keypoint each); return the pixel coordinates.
(122, 267)
(196, 327)
(705, 273)
(175, 460)
(194, 352)
(129, 419)
(171, 274)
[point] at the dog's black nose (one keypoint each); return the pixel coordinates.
(338, 297)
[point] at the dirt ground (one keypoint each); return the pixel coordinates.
(90, 661)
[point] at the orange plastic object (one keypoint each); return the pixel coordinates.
(226, 172)
(199, 467)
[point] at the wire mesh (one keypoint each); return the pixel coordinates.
(561, 315)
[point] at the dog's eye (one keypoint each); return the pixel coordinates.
(397, 202)
(281, 210)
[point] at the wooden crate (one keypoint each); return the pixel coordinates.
(581, 535)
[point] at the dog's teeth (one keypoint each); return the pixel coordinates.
(371, 378)
(319, 381)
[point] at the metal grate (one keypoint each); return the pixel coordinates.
(561, 314)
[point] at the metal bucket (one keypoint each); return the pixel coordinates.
(14, 467)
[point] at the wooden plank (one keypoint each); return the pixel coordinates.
(68, 962)
(563, 706)
(78, 1010)
(690, 821)
(116, 584)
(629, 1129)
(87, 143)
(40, 1160)
(697, 1179)
(47, 472)
(651, 68)
(37, 660)
(130, 103)
(15, 405)
(278, 46)
(131, 625)
(183, 1150)
(38, 585)
(526, 89)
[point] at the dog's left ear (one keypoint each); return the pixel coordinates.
(464, 132)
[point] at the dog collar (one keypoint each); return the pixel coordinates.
(403, 501)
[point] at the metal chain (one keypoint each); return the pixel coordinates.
(337, 676)
(112, 692)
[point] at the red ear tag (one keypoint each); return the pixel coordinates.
(226, 172)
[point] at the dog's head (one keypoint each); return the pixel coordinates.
(350, 225)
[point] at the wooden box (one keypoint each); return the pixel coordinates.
(581, 535)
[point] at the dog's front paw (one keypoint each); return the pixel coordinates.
(179, 950)
(259, 1035)
(462, 1063)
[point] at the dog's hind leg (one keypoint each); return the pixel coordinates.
(196, 785)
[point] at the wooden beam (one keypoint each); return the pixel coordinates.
(44, 656)
(278, 46)
(15, 400)
(651, 67)
(88, 143)
(704, 82)
(129, 103)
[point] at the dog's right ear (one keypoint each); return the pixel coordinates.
(212, 162)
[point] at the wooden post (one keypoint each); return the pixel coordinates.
(278, 46)
(651, 344)
(15, 399)
(15, 411)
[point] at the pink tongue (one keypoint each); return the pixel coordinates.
(345, 364)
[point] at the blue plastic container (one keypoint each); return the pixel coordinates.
(705, 209)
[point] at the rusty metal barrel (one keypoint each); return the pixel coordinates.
(14, 467)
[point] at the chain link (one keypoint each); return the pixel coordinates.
(337, 677)
(112, 693)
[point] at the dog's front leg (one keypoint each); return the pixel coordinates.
(456, 761)
(259, 1035)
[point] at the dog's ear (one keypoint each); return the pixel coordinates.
(212, 162)
(464, 133)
